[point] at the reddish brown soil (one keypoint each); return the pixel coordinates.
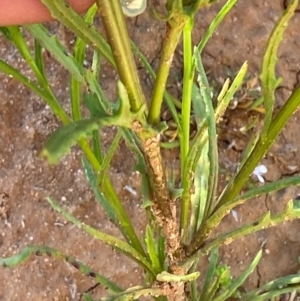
(26, 180)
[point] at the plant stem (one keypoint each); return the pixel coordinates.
(164, 208)
(116, 31)
(173, 33)
(188, 77)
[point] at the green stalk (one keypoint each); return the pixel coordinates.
(174, 30)
(75, 85)
(170, 100)
(116, 31)
(188, 77)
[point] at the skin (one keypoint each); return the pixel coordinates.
(19, 12)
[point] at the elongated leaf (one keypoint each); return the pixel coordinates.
(197, 160)
(105, 204)
(216, 218)
(38, 58)
(290, 213)
(134, 293)
(236, 183)
(114, 210)
(151, 249)
(79, 55)
(67, 16)
(231, 289)
(52, 44)
(16, 36)
(269, 82)
(224, 101)
(110, 240)
(208, 287)
(212, 133)
(219, 214)
(168, 277)
(49, 99)
(215, 23)
(51, 252)
(199, 197)
(274, 288)
(273, 294)
(108, 156)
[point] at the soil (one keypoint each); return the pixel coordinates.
(26, 179)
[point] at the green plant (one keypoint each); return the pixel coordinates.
(170, 250)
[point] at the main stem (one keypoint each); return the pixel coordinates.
(116, 31)
(164, 208)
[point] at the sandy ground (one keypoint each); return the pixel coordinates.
(26, 180)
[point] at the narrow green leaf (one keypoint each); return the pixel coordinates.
(235, 284)
(38, 58)
(67, 16)
(151, 250)
(274, 288)
(199, 197)
(109, 155)
(197, 159)
(184, 138)
(224, 101)
(188, 179)
(161, 250)
(220, 213)
(110, 240)
(212, 134)
(105, 204)
(290, 213)
(24, 255)
(209, 287)
(114, 209)
(215, 23)
(48, 97)
(52, 44)
(269, 82)
(273, 294)
(16, 36)
(93, 85)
